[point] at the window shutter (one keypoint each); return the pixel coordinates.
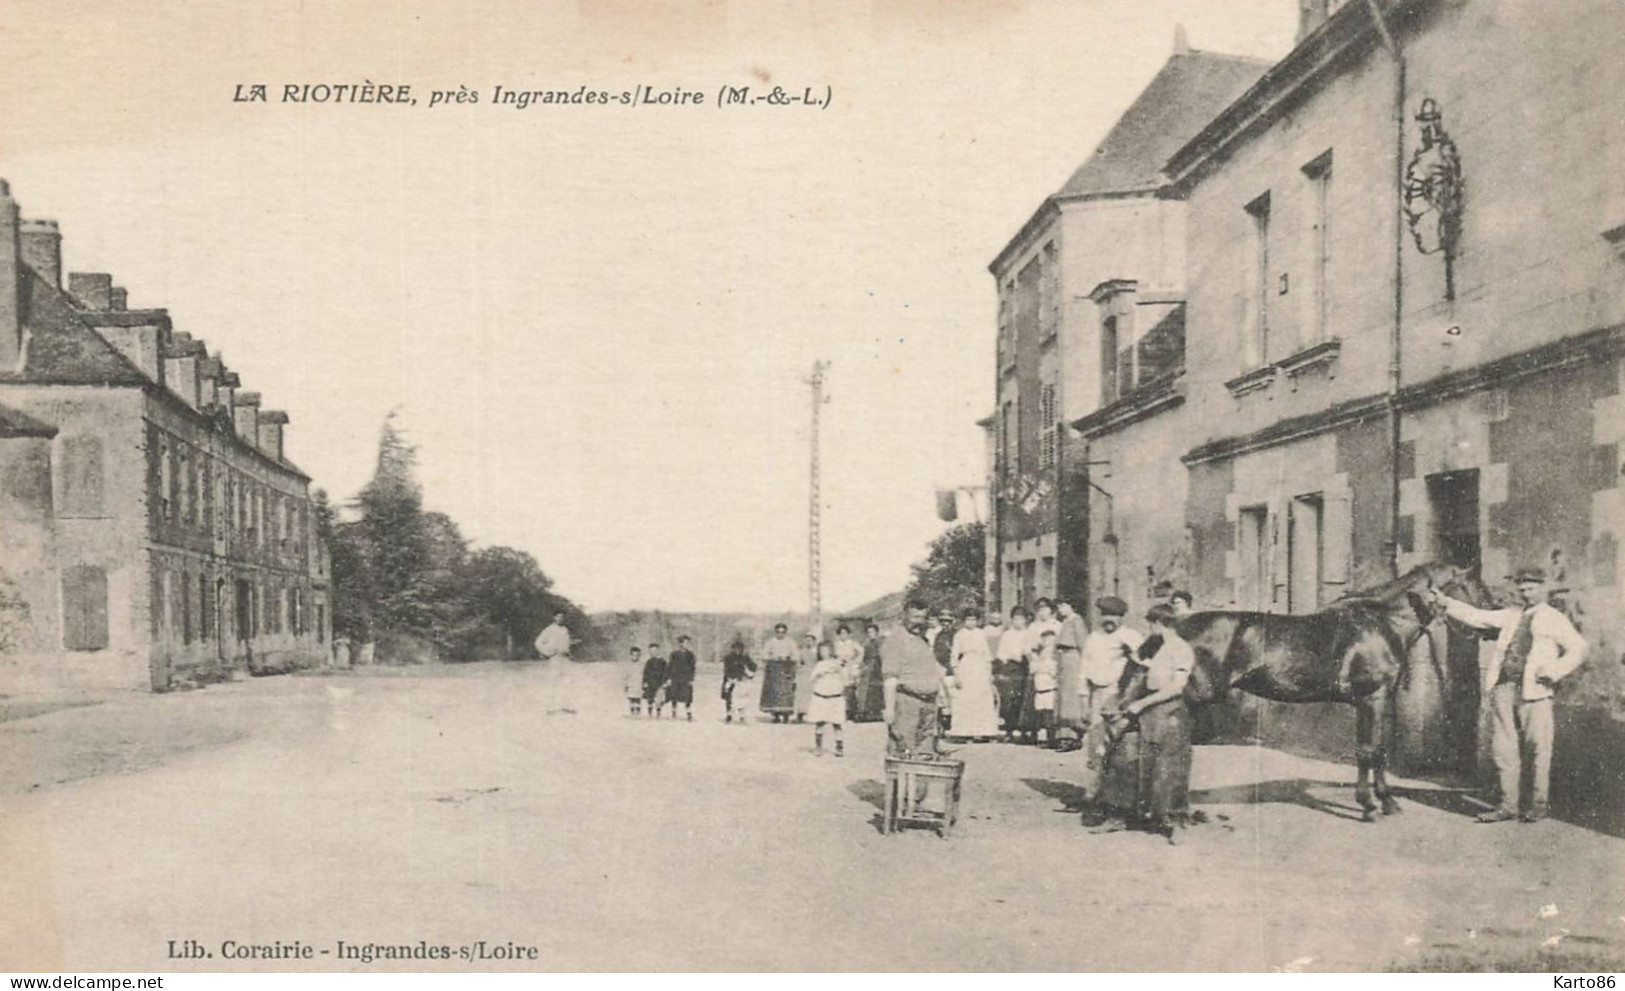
(1338, 530)
(84, 608)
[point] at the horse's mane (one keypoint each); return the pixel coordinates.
(1389, 593)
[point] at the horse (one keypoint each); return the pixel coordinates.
(1355, 650)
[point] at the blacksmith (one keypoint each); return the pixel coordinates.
(1165, 727)
(680, 678)
(1105, 651)
(1535, 648)
(912, 680)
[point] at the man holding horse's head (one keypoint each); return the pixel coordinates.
(1536, 647)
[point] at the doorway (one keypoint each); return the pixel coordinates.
(1453, 497)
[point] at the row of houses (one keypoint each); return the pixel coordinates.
(153, 532)
(1295, 327)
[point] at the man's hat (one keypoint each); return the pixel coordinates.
(1530, 574)
(1428, 111)
(1111, 605)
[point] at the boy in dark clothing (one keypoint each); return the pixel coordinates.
(654, 679)
(680, 678)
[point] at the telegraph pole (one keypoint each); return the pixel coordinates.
(814, 505)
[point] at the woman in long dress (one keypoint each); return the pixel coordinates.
(871, 690)
(779, 675)
(976, 708)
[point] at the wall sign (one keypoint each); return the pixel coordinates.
(1433, 192)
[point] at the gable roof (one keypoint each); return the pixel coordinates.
(1191, 88)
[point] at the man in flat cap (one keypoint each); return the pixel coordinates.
(1106, 650)
(1536, 647)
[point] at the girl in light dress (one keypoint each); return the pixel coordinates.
(976, 707)
(827, 704)
(633, 683)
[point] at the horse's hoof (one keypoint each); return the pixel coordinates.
(1369, 815)
(1391, 808)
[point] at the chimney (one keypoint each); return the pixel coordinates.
(245, 415)
(42, 250)
(271, 424)
(93, 290)
(1311, 15)
(210, 371)
(11, 282)
(181, 358)
(229, 382)
(1182, 41)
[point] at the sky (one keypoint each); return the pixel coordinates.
(596, 321)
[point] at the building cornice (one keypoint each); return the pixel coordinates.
(1050, 211)
(1601, 344)
(1348, 34)
(1146, 401)
(209, 424)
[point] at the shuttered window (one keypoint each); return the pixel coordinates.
(84, 608)
(82, 490)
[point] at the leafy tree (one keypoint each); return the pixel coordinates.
(509, 591)
(951, 576)
(402, 571)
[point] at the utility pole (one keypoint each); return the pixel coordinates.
(814, 506)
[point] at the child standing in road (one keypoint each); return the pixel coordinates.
(654, 679)
(828, 702)
(632, 685)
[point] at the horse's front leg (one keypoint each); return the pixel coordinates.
(1384, 711)
(1364, 718)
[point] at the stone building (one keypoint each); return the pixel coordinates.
(152, 530)
(1106, 222)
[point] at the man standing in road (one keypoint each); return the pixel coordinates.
(1069, 711)
(1105, 652)
(911, 679)
(1536, 647)
(553, 644)
(680, 678)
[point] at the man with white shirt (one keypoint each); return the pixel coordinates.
(1536, 647)
(1105, 652)
(553, 644)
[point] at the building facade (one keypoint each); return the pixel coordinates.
(153, 532)
(1106, 223)
(1402, 323)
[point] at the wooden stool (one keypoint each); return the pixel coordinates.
(908, 778)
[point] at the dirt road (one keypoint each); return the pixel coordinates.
(443, 806)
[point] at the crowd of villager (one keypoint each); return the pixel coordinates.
(1118, 694)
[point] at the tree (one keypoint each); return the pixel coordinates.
(508, 590)
(405, 574)
(951, 576)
